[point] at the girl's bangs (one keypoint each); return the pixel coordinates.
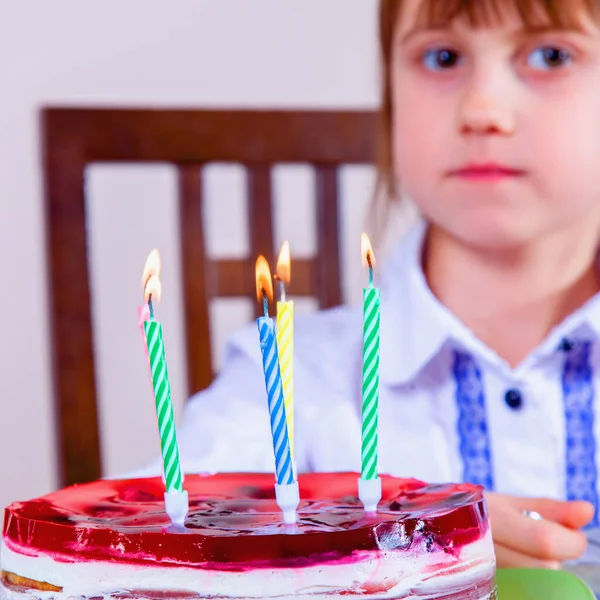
(565, 14)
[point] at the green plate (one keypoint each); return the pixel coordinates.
(541, 584)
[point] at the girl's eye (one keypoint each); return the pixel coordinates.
(547, 58)
(439, 59)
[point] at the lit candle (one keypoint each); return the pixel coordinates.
(285, 338)
(286, 486)
(176, 498)
(369, 484)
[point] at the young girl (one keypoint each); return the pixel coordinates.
(490, 358)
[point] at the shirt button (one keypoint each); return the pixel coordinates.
(514, 399)
(567, 345)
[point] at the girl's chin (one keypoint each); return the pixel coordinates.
(492, 235)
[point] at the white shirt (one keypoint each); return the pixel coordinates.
(434, 424)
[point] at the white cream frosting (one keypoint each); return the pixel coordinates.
(402, 574)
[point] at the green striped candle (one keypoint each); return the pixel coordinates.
(176, 498)
(164, 406)
(370, 484)
(370, 383)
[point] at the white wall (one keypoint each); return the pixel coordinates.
(263, 53)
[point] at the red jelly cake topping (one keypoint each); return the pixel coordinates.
(234, 522)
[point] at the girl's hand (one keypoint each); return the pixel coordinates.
(520, 541)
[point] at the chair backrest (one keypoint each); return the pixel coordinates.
(74, 138)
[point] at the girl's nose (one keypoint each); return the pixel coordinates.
(483, 113)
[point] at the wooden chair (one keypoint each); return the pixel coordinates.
(73, 138)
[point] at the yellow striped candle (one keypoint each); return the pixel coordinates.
(285, 339)
(285, 344)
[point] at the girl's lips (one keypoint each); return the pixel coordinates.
(486, 172)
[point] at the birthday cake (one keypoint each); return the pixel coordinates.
(112, 539)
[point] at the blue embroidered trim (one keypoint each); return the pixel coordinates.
(472, 422)
(578, 394)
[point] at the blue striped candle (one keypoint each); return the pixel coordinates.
(281, 441)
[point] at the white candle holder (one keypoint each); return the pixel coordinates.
(288, 498)
(369, 493)
(177, 506)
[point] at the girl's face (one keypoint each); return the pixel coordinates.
(496, 130)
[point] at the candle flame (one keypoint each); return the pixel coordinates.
(151, 277)
(284, 264)
(153, 288)
(264, 285)
(152, 266)
(368, 257)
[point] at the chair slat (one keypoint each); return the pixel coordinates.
(71, 318)
(328, 260)
(194, 277)
(201, 136)
(260, 219)
(234, 278)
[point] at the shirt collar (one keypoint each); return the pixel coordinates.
(592, 315)
(416, 325)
